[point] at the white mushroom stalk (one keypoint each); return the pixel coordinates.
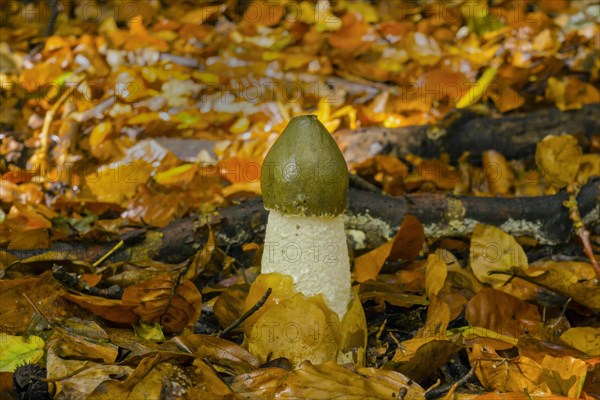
(304, 181)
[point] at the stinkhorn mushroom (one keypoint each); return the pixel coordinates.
(312, 312)
(304, 183)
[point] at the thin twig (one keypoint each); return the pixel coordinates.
(571, 204)
(108, 254)
(247, 314)
(450, 389)
(36, 309)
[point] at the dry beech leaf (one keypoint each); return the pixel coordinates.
(507, 375)
(146, 382)
(494, 250)
(356, 34)
(428, 358)
(502, 313)
(229, 305)
(498, 175)
(210, 386)
(118, 311)
(259, 384)
(435, 275)
(76, 379)
(165, 301)
(324, 382)
(86, 340)
(438, 312)
(380, 292)
(564, 375)
(586, 339)
(407, 242)
(563, 281)
(558, 158)
(438, 318)
(214, 349)
(15, 310)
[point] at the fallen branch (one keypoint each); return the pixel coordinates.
(374, 216)
(514, 136)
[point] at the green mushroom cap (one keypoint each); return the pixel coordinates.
(304, 172)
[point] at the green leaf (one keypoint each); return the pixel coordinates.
(18, 350)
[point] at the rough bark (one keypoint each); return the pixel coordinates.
(376, 215)
(514, 136)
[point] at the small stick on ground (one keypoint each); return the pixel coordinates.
(247, 314)
(573, 190)
(108, 254)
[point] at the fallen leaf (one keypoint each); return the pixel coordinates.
(507, 374)
(216, 350)
(118, 311)
(564, 375)
(18, 350)
(502, 313)
(494, 250)
(558, 158)
(15, 311)
(407, 242)
(324, 382)
(476, 91)
(163, 300)
(427, 359)
(229, 305)
(586, 339)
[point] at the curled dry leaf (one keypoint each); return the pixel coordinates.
(118, 311)
(150, 379)
(76, 379)
(214, 349)
(406, 245)
(558, 158)
(164, 300)
(324, 382)
(494, 250)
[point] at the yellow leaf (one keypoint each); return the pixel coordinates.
(149, 331)
(586, 339)
(475, 92)
(17, 350)
(494, 250)
(435, 275)
(558, 158)
(363, 8)
(171, 175)
(100, 132)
